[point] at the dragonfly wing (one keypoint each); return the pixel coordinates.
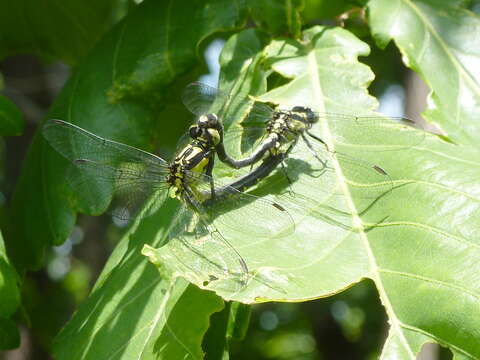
(240, 142)
(202, 251)
(74, 143)
(334, 170)
(244, 213)
(126, 191)
(373, 133)
(241, 139)
(201, 99)
(103, 169)
(258, 114)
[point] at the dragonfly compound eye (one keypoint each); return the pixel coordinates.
(212, 120)
(311, 116)
(203, 121)
(194, 131)
(307, 113)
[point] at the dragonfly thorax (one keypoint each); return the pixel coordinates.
(289, 124)
(195, 157)
(286, 126)
(175, 179)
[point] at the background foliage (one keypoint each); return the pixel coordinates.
(414, 270)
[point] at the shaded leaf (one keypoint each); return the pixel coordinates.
(11, 119)
(53, 30)
(277, 17)
(319, 9)
(438, 38)
(239, 320)
(9, 335)
(9, 301)
(215, 342)
(229, 324)
(163, 58)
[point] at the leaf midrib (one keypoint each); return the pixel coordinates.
(357, 222)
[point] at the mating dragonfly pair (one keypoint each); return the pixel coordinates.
(135, 177)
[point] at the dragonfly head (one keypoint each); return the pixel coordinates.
(307, 115)
(207, 129)
(209, 121)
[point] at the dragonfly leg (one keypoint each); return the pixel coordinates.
(208, 171)
(312, 150)
(313, 136)
(284, 169)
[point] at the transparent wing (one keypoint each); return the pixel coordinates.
(373, 133)
(241, 141)
(370, 133)
(333, 169)
(203, 99)
(74, 143)
(204, 254)
(259, 113)
(127, 189)
(368, 177)
(239, 212)
(104, 169)
(200, 98)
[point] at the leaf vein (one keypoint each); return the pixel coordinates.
(437, 339)
(429, 229)
(431, 280)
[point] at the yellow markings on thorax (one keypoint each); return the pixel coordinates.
(191, 158)
(196, 152)
(215, 136)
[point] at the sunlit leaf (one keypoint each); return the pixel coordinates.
(438, 38)
(418, 242)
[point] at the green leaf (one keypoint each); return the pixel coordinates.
(324, 9)
(418, 242)
(53, 30)
(438, 38)
(179, 45)
(126, 299)
(133, 313)
(11, 119)
(277, 17)
(10, 300)
(215, 342)
(230, 323)
(9, 335)
(43, 206)
(238, 321)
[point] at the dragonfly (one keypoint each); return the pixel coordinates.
(133, 180)
(268, 131)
